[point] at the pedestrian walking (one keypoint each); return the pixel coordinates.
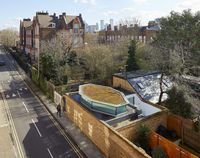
(58, 110)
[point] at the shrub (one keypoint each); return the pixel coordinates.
(143, 137)
(158, 152)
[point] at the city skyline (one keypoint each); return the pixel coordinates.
(94, 10)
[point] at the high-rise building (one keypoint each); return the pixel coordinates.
(112, 24)
(106, 26)
(91, 28)
(102, 25)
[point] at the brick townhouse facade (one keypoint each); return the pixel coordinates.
(44, 27)
(140, 33)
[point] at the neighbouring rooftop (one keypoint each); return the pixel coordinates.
(147, 84)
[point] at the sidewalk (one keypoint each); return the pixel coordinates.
(7, 148)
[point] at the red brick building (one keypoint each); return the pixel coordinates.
(44, 27)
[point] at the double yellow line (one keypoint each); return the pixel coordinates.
(12, 126)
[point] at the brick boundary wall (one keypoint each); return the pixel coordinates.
(153, 121)
(111, 143)
(122, 83)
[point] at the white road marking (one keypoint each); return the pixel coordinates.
(36, 128)
(25, 107)
(49, 152)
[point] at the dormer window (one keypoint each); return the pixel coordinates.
(140, 85)
(52, 25)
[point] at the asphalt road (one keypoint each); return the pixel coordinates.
(36, 131)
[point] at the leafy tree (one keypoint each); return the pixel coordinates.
(131, 61)
(48, 66)
(158, 152)
(176, 48)
(178, 104)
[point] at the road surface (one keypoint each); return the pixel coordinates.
(34, 132)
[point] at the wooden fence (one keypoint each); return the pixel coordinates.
(185, 130)
(172, 150)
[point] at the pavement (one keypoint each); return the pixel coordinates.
(7, 149)
(69, 128)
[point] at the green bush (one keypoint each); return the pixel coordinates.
(43, 84)
(158, 152)
(34, 76)
(143, 137)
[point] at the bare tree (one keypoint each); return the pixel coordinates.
(8, 37)
(101, 61)
(61, 48)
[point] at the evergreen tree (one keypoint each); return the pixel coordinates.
(131, 61)
(178, 104)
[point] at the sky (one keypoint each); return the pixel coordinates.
(12, 11)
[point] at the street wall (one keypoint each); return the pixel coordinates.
(110, 142)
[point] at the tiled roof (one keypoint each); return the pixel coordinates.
(27, 23)
(44, 20)
(154, 28)
(69, 18)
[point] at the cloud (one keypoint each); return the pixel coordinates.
(93, 2)
(188, 4)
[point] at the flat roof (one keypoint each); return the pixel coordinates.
(103, 94)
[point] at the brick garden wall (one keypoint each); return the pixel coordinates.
(153, 121)
(110, 142)
(119, 82)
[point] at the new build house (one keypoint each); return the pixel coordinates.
(111, 117)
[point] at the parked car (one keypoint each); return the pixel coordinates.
(2, 63)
